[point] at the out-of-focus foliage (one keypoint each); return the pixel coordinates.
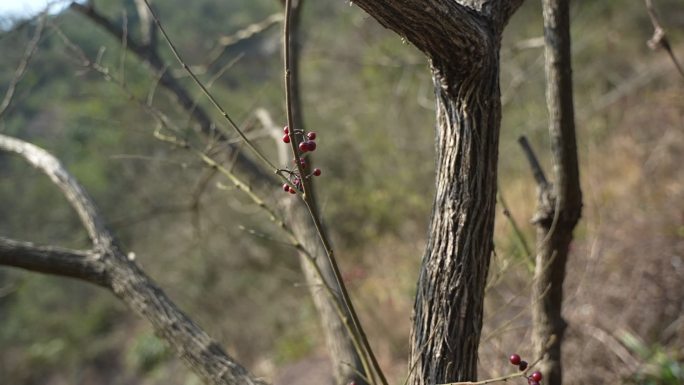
(660, 367)
(368, 95)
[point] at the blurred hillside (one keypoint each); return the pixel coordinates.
(369, 97)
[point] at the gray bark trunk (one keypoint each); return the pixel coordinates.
(560, 205)
(461, 39)
(449, 302)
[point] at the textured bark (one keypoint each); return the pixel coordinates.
(449, 301)
(108, 266)
(461, 39)
(560, 205)
(52, 260)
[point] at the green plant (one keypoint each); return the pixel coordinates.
(658, 367)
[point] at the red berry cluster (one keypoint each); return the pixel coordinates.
(534, 378)
(306, 144)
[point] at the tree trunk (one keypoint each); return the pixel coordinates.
(449, 302)
(461, 40)
(560, 205)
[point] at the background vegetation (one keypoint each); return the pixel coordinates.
(369, 97)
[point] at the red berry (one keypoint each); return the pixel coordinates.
(515, 359)
(286, 130)
(303, 147)
(286, 138)
(311, 135)
(536, 376)
(292, 191)
(311, 145)
(302, 162)
(522, 366)
(286, 187)
(317, 171)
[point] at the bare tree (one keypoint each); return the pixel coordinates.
(461, 40)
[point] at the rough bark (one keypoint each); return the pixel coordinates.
(107, 265)
(448, 307)
(461, 39)
(52, 260)
(560, 204)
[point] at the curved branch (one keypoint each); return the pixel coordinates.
(111, 268)
(23, 65)
(78, 264)
(447, 31)
(72, 190)
(508, 8)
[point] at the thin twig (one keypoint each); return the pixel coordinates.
(239, 184)
(206, 92)
(307, 198)
(529, 258)
(659, 38)
(124, 45)
(509, 376)
(23, 65)
(537, 170)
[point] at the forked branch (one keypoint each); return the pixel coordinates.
(110, 267)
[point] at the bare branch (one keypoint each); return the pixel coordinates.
(560, 208)
(118, 271)
(23, 66)
(371, 367)
(537, 170)
(83, 265)
(148, 32)
(72, 190)
(508, 8)
(447, 31)
(166, 80)
(248, 32)
(659, 38)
